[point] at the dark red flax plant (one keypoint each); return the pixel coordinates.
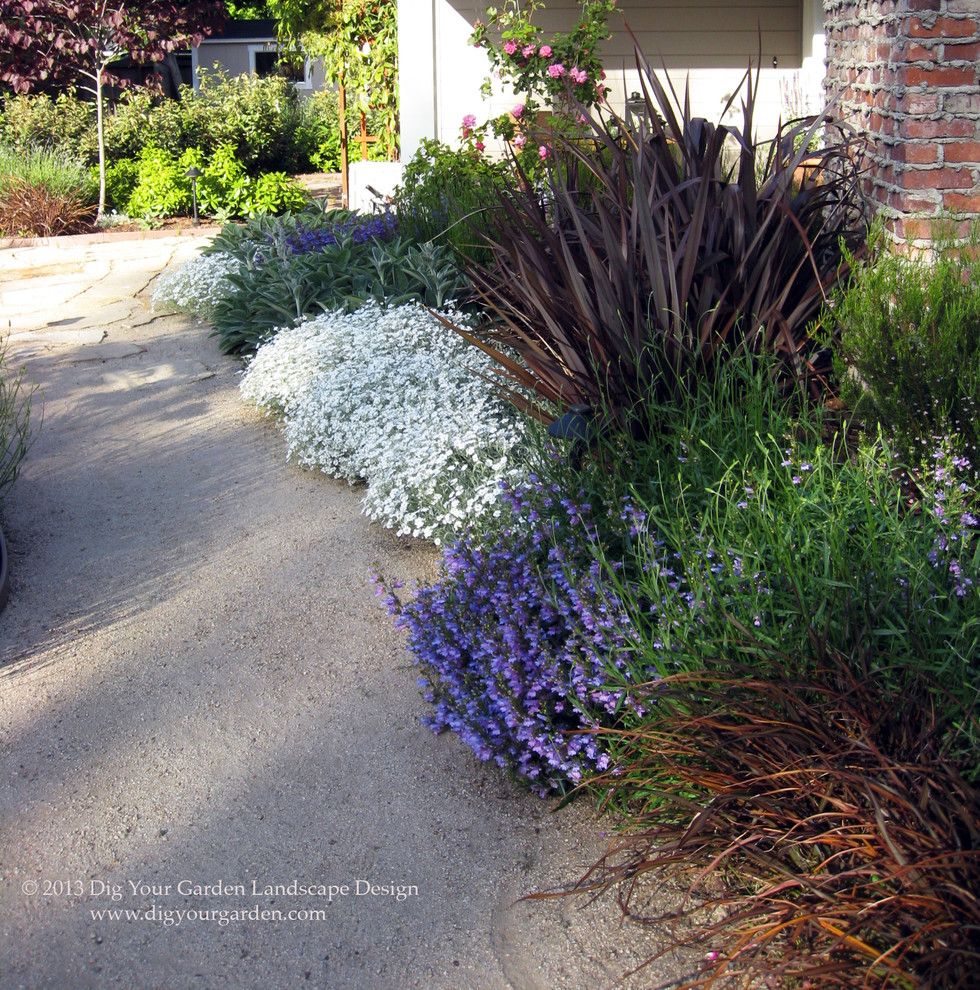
(648, 255)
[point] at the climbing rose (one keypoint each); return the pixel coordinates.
(518, 110)
(510, 47)
(556, 71)
(543, 152)
(528, 50)
(520, 141)
(469, 120)
(545, 51)
(579, 75)
(480, 146)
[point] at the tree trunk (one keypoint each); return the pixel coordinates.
(100, 125)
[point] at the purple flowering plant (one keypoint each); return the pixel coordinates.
(521, 648)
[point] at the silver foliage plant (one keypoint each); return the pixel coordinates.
(392, 398)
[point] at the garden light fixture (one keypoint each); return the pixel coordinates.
(194, 174)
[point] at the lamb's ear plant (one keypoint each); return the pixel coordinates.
(647, 257)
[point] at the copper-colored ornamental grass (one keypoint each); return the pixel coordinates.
(847, 842)
(32, 210)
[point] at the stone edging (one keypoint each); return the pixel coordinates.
(106, 237)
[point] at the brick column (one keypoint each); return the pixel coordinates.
(905, 73)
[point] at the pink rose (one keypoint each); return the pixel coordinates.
(469, 120)
(518, 110)
(520, 141)
(545, 51)
(579, 75)
(543, 152)
(528, 50)
(510, 47)
(556, 70)
(480, 146)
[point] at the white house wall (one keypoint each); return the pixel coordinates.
(708, 43)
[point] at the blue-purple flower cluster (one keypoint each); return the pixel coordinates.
(521, 648)
(357, 229)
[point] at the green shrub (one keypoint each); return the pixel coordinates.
(162, 188)
(121, 179)
(445, 196)
(225, 190)
(269, 126)
(38, 121)
(43, 193)
(909, 346)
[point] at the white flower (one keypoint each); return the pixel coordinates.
(196, 286)
(393, 398)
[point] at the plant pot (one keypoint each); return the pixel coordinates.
(4, 573)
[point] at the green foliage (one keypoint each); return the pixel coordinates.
(64, 124)
(159, 186)
(910, 330)
(358, 42)
(763, 539)
(269, 126)
(448, 196)
(48, 168)
(15, 422)
(278, 288)
(162, 188)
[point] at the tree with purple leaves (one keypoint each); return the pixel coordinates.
(75, 42)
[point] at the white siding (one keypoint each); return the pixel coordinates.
(708, 44)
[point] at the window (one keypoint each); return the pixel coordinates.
(263, 61)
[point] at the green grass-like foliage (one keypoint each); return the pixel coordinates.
(909, 345)
(50, 169)
(840, 549)
(15, 422)
(646, 258)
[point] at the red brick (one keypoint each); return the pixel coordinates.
(922, 104)
(962, 151)
(963, 103)
(918, 154)
(937, 128)
(943, 27)
(962, 202)
(941, 75)
(937, 178)
(960, 6)
(918, 53)
(967, 52)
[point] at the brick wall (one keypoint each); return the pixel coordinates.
(907, 74)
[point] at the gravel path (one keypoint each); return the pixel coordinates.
(197, 688)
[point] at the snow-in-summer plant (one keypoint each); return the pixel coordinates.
(393, 398)
(196, 286)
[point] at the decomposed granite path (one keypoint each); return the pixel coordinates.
(199, 692)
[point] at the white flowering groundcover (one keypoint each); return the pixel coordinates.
(393, 398)
(197, 285)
